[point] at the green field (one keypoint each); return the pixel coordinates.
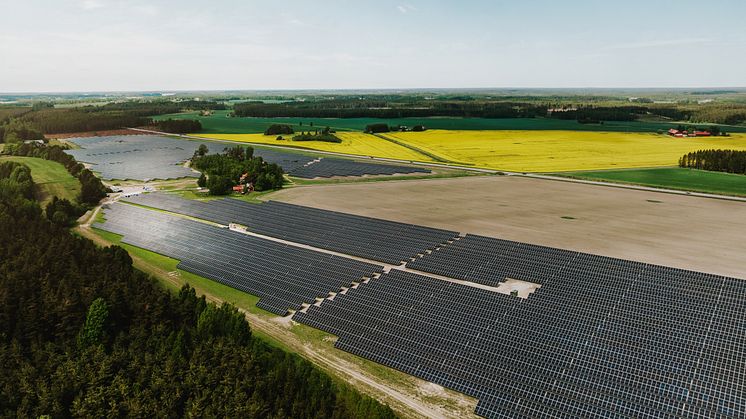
(672, 178)
(50, 177)
(220, 123)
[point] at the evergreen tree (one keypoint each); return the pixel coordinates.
(95, 323)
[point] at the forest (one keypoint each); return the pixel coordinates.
(220, 172)
(376, 108)
(84, 334)
(178, 126)
(30, 123)
(582, 109)
(730, 161)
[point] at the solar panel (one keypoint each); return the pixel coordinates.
(327, 167)
(138, 157)
(145, 157)
(602, 337)
(284, 276)
(373, 239)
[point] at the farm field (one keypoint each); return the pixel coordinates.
(352, 143)
(556, 151)
(220, 123)
(673, 178)
(50, 177)
(644, 226)
(517, 151)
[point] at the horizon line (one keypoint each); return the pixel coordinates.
(362, 89)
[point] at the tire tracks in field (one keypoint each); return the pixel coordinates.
(417, 149)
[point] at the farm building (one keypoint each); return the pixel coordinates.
(683, 133)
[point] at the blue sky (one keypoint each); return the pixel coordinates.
(94, 45)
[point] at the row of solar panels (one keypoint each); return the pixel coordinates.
(602, 337)
(285, 275)
(370, 238)
(326, 168)
(145, 157)
(139, 157)
(584, 345)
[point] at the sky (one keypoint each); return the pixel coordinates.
(150, 45)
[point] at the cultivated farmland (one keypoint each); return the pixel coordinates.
(673, 178)
(220, 123)
(519, 151)
(554, 151)
(630, 224)
(352, 143)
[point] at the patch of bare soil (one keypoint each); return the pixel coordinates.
(687, 232)
(102, 133)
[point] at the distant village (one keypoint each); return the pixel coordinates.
(684, 133)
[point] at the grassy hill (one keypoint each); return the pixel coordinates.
(50, 177)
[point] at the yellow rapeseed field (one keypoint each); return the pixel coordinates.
(519, 151)
(352, 143)
(553, 151)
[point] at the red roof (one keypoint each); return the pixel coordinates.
(702, 133)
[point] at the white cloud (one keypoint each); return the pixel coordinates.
(146, 9)
(406, 8)
(91, 4)
(658, 43)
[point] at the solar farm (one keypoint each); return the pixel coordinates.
(599, 337)
(136, 157)
(147, 157)
(326, 168)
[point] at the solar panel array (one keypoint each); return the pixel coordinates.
(137, 157)
(326, 168)
(370, 238)
(489, 261)
(145, 157)
(288, 161)
(602, 338)
(283, 276)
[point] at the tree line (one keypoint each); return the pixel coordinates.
(84, 334)
(730, 161)
(597, 114)
(582, 109)
(278, 129)
(221, 172)
(178, 126)
(31, 123)
(14, 130)
(374, 108)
